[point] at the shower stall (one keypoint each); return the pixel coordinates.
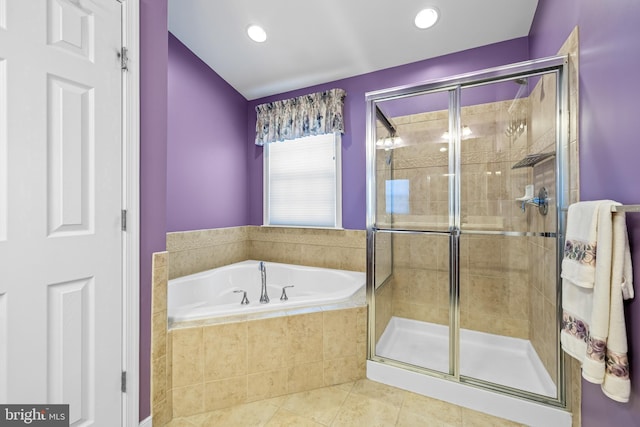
(466, 194)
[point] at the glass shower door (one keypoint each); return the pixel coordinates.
(467, 179)
(411, 267)
(508, 311)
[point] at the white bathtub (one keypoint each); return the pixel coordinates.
(210, 294)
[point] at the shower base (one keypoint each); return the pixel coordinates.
(507, 361)
(502, 360)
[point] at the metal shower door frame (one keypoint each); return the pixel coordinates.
(454, 85)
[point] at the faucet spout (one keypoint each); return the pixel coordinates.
(264, 298)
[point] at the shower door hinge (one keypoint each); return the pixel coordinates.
(124, 220)
(123, 382)
(124, 59)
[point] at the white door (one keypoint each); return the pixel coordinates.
(60, 206)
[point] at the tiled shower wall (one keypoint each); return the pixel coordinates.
(494, 281)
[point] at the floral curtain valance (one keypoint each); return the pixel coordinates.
(313, 114)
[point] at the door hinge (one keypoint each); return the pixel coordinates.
(124, 58)
(123, 382)
(124, 220)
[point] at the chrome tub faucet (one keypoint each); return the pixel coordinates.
(264, 298)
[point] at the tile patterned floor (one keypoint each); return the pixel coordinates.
(362, 403)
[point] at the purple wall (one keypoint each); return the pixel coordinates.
(153, 168)
(609, 149)
(206, 149)
(353, 141)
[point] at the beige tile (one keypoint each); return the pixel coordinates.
(181, 422)
(276, 401)
(305, 338)
(159, 335)
(185, 240)
(346, 386)
(339, 333)
(159, 286)
(187, 355)
(304, 377)
(253, 414)
(225, 351)
(472, 418)
(188, 400)
(159, 380)
(169, 357)
(412, 419)
(436, 409)
(362, 411)
(284, 418)
(225, 393)
(267, 384)
(161, 413)
(159, 260)
(375, 390)
(267, 344)
(319, 405)
(346, 369)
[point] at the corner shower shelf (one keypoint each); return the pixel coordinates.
(532, 159)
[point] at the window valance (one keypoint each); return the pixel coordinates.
(313, 114)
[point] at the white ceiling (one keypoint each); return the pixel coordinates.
(313, 42)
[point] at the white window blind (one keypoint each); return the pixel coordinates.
(303, 182)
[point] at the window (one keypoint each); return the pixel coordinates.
(397, 196)
(302, 182)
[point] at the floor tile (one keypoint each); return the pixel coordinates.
(284, 418)
(432, 409)
(255, 414)
(471, 418)
(319, 405)
(374, 390)
(361, 411)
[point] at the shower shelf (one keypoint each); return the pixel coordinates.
(532, 159)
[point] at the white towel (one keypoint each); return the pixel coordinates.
(597, 276)
(579, 263)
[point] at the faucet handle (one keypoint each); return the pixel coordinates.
(284, 296)
(245, 300)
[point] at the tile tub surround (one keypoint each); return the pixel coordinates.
(218, 366)
(200, 250)
(194, 251)
(161, 398)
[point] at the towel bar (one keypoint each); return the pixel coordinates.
(619, 208)
(625, 208)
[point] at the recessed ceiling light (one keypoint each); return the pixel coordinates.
(426, 18)
(256, 33)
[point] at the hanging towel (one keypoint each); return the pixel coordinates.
(597, 276)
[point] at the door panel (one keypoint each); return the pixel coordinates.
(60, 207)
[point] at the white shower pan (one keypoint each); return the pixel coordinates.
(497, 359)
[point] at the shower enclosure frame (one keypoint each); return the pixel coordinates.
(454, 84)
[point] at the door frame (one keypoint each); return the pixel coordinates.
(131, 202)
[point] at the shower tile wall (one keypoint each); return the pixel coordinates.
(494, 294)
